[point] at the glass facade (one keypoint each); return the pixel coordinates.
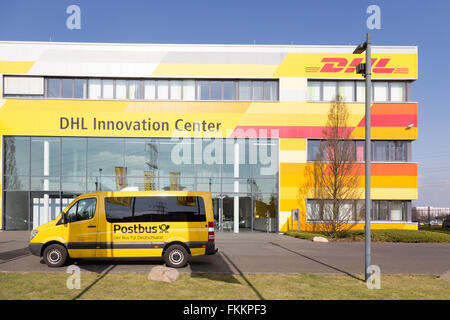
(48, 172)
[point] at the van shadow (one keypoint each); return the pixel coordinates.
(126, 264)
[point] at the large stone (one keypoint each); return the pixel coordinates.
(445, 275)
(320, 239)
(164, 274)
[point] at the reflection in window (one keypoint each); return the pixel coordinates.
(244, 90)
(398, 91)
(108, 89)
(163, 89)
(229, 90)
(141, 157)
(121, 89)
(271, 90)
(16, 155)
(54, 88)
(104, 155)
(73, 156)
(80, 89)
(380, 91)
(67, 88)
(329, 90)
(314, 90)
(134, 89)
(258, 90)
(45, 156)
(95, 89)
(346, 90)
(189, 90)
(216, 90)
(175, 90)
(150, 89)
(203, 90)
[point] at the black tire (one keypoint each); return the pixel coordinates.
(176, 256)
(55, 255)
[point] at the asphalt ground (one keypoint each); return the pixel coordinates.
(253, 253)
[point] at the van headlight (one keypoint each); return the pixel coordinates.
(33, 234)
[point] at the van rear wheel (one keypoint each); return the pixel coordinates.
(55, 255)
(176, 256)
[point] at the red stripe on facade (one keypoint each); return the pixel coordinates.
(391, 120)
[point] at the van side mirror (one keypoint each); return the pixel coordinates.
(63, 217)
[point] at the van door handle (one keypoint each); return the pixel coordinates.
(92, 226)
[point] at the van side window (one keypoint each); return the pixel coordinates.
(119, 209)
(155, 209)
(83, 209)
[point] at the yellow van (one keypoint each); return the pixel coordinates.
(171, 224)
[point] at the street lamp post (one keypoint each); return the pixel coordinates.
(366, 70)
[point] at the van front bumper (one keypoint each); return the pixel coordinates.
(35, 248)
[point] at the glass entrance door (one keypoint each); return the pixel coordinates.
(233, 212)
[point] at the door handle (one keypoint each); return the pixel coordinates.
(92, 226)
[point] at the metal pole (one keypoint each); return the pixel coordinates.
(368, 73)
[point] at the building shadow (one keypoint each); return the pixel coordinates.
(99, 277)
(7, 256)
(317, 261)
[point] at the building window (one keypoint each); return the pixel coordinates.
(108, 89)
(134, 89)
(382, 150)
(380, 91)
(355, 90)
(245, 90)
(121, 89)
(314, 89)
(164, 89)
(54, 88)
(354, 210)
(329, 90)
(175, 89)
(149, 89)
(189, 90)
(398, 91)
(95, 89)
(346, 90)
(80, 89)
(154, 89)
(258, 90)
(67, 88)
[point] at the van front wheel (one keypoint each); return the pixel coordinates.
(176, 256)
(55, 255)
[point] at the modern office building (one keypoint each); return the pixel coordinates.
(240, 121)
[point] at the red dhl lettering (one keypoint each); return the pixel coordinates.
(334, 65)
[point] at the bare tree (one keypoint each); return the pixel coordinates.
(332, 181)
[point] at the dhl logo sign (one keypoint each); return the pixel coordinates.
(333, 65)
(343, 65)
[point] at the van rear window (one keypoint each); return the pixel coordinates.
(155, 209)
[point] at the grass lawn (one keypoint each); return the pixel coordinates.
(424, 235)
(220, 286)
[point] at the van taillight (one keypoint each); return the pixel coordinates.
(211, 231)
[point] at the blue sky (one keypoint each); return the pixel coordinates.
(422, 23)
